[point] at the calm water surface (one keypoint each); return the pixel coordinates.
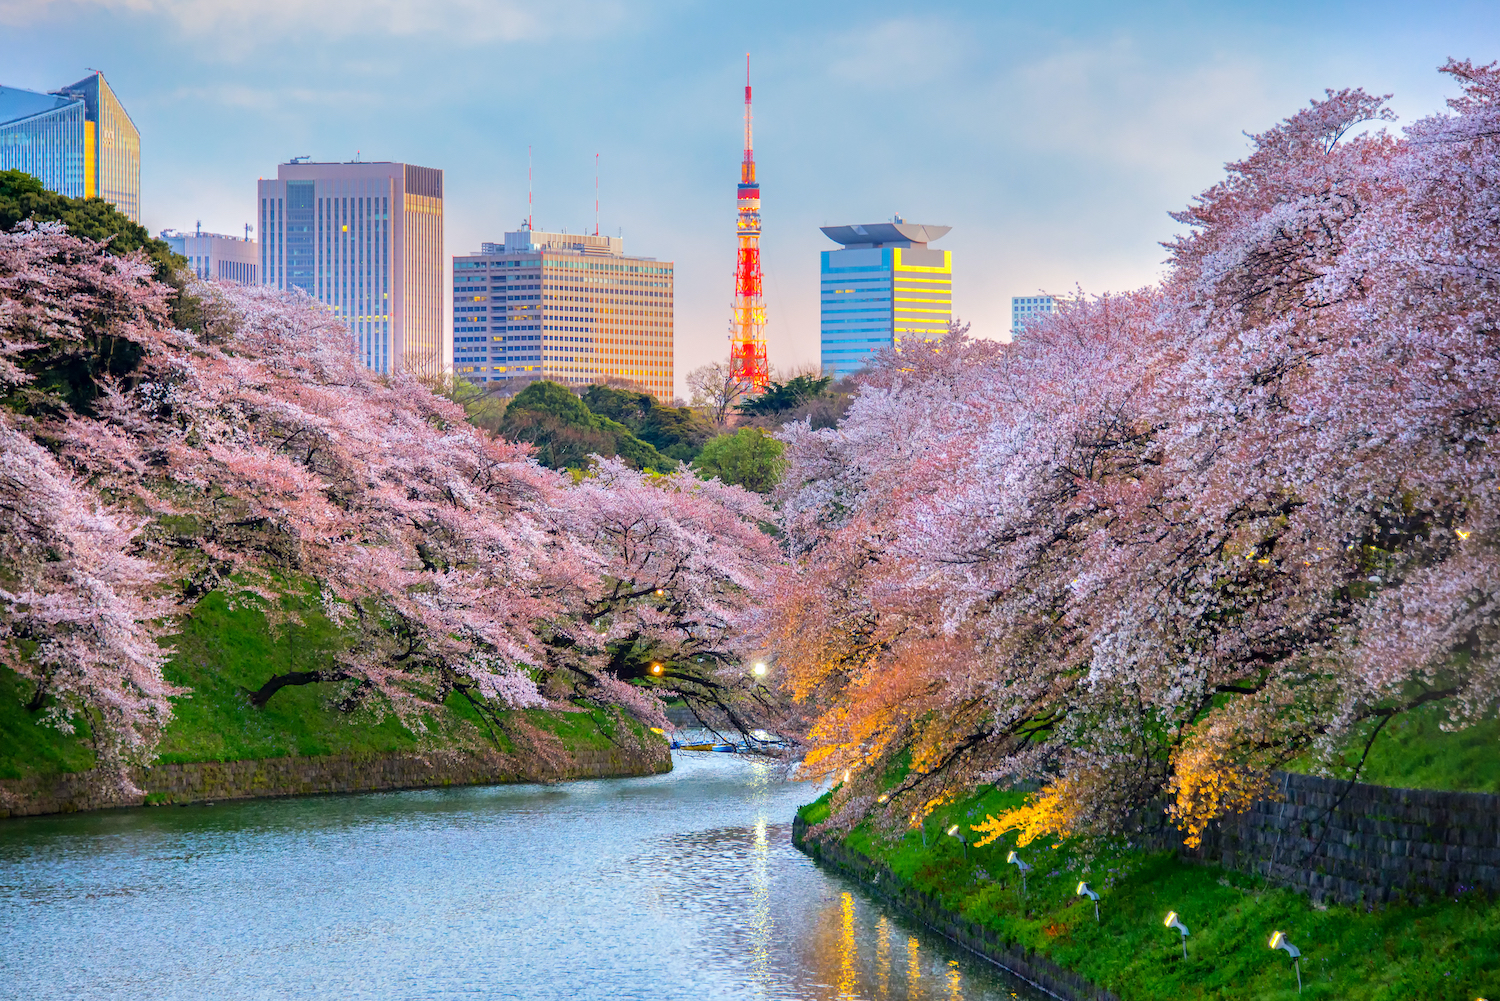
(683, 885)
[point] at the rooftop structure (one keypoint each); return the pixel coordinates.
(78, 141)
(573, 309)
(885, 286)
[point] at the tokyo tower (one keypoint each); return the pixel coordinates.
(747, 330)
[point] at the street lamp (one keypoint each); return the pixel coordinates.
(1278, 941)
(1172, 922)
(656, 669)
(1084, 891)
(1016, 861)
(759, 670)
(954, 832)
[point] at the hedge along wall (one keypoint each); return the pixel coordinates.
(1357, 842)
(303, 776)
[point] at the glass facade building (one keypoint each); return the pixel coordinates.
(367, 240)
(78, 141)
(884, 287)
(1024, 309)
(573, 309)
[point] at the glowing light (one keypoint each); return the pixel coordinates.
(953, 832)
(656, 669)
(759, 670)
(1171, 917)
(846, 775)
(1275, 942)
(882, 798)
(1462, 535)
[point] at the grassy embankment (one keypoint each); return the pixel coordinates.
(224, 654)
(1448, 950)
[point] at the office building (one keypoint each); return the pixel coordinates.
(367, 239)
(571, 309)
(1024, 309)
(78, 141)
(884, 287)
(213, 255)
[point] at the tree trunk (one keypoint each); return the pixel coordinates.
(259, 698)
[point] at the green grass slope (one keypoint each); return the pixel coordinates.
(1448, 950)
(224, 653)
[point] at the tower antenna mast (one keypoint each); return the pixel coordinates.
(596, 194)
(528, 189)
(747, 328)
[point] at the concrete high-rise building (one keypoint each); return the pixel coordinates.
(572, 309)
(367, 239)
(214, 255)
(78, 141)
(1024, 309)
(885, 287)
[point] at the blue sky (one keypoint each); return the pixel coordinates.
(1053, 138)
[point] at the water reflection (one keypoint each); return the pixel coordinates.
(676, 886)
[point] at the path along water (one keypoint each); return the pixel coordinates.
(683, 885)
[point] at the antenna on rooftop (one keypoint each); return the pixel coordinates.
(248, 228)
(596, 194)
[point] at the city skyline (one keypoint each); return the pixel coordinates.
(1061, 140)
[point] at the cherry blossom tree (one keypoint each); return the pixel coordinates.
(1169, 540)
(255, 449)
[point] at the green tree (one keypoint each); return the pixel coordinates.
(676, 432)
(780, 397)
(23, 197)
(566, 432)
(750, 457)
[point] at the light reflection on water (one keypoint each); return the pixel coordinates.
(675, 886)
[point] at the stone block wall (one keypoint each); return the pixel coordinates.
(1364, 842)
(204, 781)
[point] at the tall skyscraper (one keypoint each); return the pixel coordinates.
(367, 239)
(214, 255)
(78, 141)
(572, 309)
(885, 287)
(1025, 308)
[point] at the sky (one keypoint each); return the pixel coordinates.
(1054, 138)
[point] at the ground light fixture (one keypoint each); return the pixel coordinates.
(1015, 860)
(1084, 891)
(1278, 941)
(882, 798)
(1172, 922)
(954, 832)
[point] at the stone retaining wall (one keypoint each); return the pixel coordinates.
(1363, 842)
(303, 776)
(875, 877)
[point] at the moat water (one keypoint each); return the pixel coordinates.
(683, 885)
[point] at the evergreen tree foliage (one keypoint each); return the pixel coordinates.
(676, 432)
(566, 432)
(749, 458)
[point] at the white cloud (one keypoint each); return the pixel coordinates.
(246, 24)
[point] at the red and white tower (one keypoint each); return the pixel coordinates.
(747, 329)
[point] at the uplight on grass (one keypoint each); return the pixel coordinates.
(1278, 941)
(1084, 891)
(1172, 922)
